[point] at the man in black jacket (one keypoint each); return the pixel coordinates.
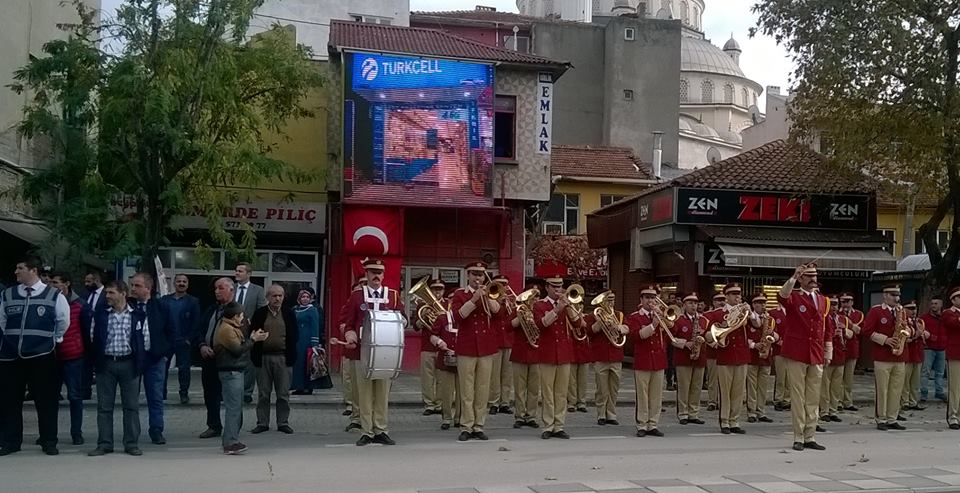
(274, 358)
(203, 355)
(153, 315)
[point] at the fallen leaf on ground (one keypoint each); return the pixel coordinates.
(503, 449)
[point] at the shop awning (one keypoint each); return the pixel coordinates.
(30, 232)
(867, 259)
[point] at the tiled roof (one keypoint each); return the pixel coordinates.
(419, 41)
(597, 162)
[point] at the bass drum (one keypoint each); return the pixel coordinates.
(381, 344)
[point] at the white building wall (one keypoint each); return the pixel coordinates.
(775, 126)
(693, 151)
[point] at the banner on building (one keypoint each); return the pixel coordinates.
(544, 113)
(374, 232)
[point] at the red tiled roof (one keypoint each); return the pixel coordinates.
(419, 41)
(597, 162)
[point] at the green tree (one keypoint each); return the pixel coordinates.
(186, 107)
(878, 82)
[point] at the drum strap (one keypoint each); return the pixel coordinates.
(369, 298)
(450, 328)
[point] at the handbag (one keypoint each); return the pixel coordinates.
(317, 363)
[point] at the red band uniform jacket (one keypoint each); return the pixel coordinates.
(649, 354)
(477, 335)
(805, 333)
(950, 321)
(355, 310)
(853, 345)
(603, 350)
(882, 320)
(688, 328)
(556, 346)
(837, 325)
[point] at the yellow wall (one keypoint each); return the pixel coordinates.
(888, 218)
(590, 196)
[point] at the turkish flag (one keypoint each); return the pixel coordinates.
(373, 231)
(391, 273)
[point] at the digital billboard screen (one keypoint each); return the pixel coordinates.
(417, 131)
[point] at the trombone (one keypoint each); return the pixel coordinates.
(667, 315)
(574, 296)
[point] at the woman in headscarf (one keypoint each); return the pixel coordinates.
(308, 320)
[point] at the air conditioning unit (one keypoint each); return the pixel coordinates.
(553, 228)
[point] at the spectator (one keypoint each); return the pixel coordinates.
(230, 347)
(33, 318)
(273, 359)
(93, 282)
(184, 314)
(120, 346)
(154, 317)
(250, 296)
(309, 335)
(71, 354)
(203, 336)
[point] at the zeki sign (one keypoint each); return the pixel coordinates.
(544, 113)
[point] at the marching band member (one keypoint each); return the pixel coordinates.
(552, 315)
(579, 369)
(732, 362)
(348, 367)
(501, 376)
(758, 371)
(951, 329)
(852, 350)
(710, 373)
(649, 361)
(608, 361)
(910, 397)
(372, 395)
(881, 327)
(807, 346)
(689, 327)
(443, 336)
(526, 377)
(781, 391)
(831, 388)
(428, 355)
(475, 315)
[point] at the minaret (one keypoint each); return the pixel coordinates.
(732, 49)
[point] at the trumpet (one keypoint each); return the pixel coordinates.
(432, 308)
(574, 296)
(525, 301)
(667, 315)
(606, 316)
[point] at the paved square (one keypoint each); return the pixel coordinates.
(729, 488)
(926, 472)
(755, 478)
(875, 484)
(561, 488)
(780, 487)
(661, 482)
(842, 475)
(676, 489)
(601, 485)
(826, 486)
(917, 482)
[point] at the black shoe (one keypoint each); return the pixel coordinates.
(954, 426)
(654, 432)
(51, 450)
(582, 409)
(134, 451)
(546, 435)
(684, 421)
(184, 399)
(505, 410)
(352, 426)
(786, 407)
(896, 426)
(464, 436)
(738, 430)
(571, 409)
(247, 399)
(900, 417)
(601, 421)
(285, 429)
(613, 422)
(777, 407)
(158, 439)
(697, 421)
(446, 426)
(764, 419)
(364, 440)
(259, 429)
(821, 429)
(641, 433)
(918, 407)
(384, 439)
(428, 412)
(210, 433)
(78, 440)
(883, 427)
(493, 409)
(479, 435)
(835, 418)
(814, 446)
(798, 446)
(725, 431)
(711, 407)
(346, 412)
(851, 408)
(752, 419)
(97, 452)
(518, 424)
(533, 424)
(561, 434)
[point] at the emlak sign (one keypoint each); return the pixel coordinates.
(745, 208)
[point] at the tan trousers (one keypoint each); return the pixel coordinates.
(447, 395)
(689, 387)
(473, 378)
(372, 398)
(953, 391)
(428, 380)
(831, 390)
(352, 390)
(346, 382)
(649, 398)
(848, 372)
(608, 388)
(781, 389)
(889, 381)
(526, 382)
(911, 384)
(577, 389)
(733, 386)
(554, 381)
(805, 381)
(758, 378)
(501, 379)
(713, 383)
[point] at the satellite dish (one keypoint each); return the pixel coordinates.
(713, 155)
(754, 113)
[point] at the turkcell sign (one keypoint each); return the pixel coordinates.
(371, 71)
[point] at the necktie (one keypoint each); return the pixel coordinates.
(29, 291)
(243, 291)
(90, 299)
(142, 305)
(376, 294)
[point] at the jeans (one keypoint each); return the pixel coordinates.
(231, 383)
(936, 362)
(110, 375)
(182, 354)
(154, 379)
(72, 373)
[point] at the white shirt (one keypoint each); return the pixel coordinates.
(812, 295)
(96, 297)
(62, 310)
(246, 290)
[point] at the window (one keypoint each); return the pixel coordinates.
(629, 34)
(628, 94)
(943, 240)
(745, 97)
(562, 214)
(504, 127)
(522, 43)
(890, 236)
(606, 200)
(371, 19)
(707, 91)
(728, 93)
(684, 90)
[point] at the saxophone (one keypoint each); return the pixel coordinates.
(766, 337)
(525, 301)
(698, 339)
(901, 331)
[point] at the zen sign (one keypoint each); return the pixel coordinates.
(544, 113)
(742, 208)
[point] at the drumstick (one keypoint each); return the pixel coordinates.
(338, 342)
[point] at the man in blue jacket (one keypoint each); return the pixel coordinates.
(184, 315)
(153, 314)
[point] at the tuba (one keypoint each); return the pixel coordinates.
(668, 315)
(735, 319)
(525, 301)
(432, 308)
(606, 316)
(575, 297)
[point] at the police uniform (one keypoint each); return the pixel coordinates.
(852, 352)
(555, 355)
(951, 329)
(689, 370)
(649, 363)
(888, 368)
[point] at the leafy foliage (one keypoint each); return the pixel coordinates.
(571, 251)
